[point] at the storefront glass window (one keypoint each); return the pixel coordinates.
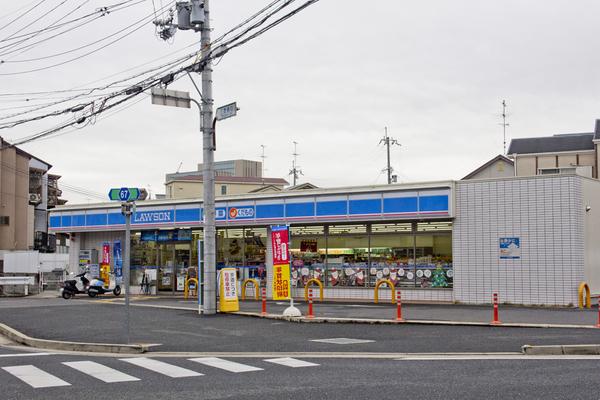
(392, 247)
(255, 250)
(434, 258)
(308, 249)
(143, 260)
(347, 255)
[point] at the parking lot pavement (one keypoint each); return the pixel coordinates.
(185, 330)
(435, 312)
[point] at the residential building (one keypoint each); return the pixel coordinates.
(498, 167)
(563, 153)
(27, 192)
(231, 177)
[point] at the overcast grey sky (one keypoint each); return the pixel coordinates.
(433, 71)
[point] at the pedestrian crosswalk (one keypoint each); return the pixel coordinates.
(42, 378)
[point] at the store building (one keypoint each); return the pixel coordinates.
(531, 239)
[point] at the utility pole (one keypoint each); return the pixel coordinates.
(195, 15)
(208, 172)
(295, 171)
(262, 166)
(504, 125)
(388, 141)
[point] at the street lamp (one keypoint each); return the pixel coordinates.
(207, 302)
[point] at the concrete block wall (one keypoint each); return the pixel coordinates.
(545, 213)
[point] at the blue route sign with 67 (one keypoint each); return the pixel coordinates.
(124, 194)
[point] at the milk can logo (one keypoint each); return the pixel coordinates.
(241, 212)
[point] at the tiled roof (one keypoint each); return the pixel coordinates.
(552, 144)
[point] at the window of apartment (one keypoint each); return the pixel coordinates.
(4, 220)
(223, 189)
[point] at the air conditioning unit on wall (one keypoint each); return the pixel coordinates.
(35, 198)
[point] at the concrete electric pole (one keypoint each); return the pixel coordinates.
(388, 141)
(295, 172)
(504, 125)
(195, 14)
(208, 172)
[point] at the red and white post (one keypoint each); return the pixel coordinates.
(310, 304)
(598, 324)
(399, 306)
(496, 320)
(264, 301)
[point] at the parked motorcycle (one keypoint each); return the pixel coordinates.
(71, 289)
(97, 287)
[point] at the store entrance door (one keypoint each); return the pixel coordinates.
(174, 260)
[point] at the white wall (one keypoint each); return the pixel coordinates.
(32, 262)
(591, 218)
(545, 213)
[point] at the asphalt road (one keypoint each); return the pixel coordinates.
(178, 330)
(332, 378)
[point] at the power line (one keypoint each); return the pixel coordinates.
(22, 15)
(140, 22)
(45, 15)
(149, 83)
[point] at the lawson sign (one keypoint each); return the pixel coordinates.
(153, 217)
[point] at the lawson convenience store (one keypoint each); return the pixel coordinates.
(437, 241)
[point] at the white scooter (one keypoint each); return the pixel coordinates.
(97, 287)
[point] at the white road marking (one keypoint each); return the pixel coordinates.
(99, 371)
(291, 362)
(225, 364)
(160, 367)
(25, 355)
(515, 357)
(342, 341)
(35, 377)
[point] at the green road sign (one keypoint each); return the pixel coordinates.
(124, 194)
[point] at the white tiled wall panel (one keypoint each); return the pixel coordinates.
(545, 213)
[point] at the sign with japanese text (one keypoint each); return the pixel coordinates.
(510, 248)
(280, 239)
(118, 269)
(281, 282)
(106, 253)
(228, 294)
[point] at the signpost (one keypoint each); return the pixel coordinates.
(281, 290)
(127, 196)
(226, 111)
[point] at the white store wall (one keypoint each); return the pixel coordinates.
(545, 213)
(591, 199)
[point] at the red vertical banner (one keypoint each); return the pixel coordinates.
(280, 239)
(106, 253)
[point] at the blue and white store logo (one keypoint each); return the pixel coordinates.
(153, 217)
(233, 213)
(510, 248)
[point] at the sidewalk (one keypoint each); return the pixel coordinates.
(432, 312)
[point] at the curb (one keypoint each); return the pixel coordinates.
(574, 349)
(338, 320)
(21, 338)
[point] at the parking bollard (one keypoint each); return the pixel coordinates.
(598, 324)
(496, 320)
(310, 304)
(264, 301)
(399, 307)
